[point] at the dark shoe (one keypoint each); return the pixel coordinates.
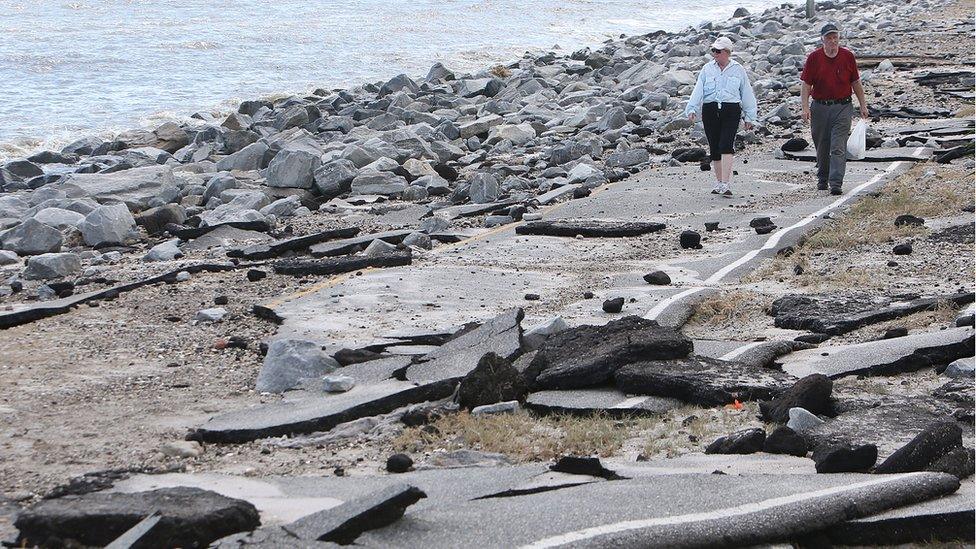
(822, 186)
(836, 191)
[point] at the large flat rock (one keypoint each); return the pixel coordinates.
(317, 412)
(501, 335)
(885, 357)
(701, 380)
(606, 400)
(134, 187)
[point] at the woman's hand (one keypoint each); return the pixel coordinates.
(691, 116)
(747, 125)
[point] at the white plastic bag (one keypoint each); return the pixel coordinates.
(856, 144)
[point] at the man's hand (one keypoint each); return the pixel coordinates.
(864, 110)
(691, 116)
(806, 115)
(748, 126)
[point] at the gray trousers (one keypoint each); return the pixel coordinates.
(831, 126)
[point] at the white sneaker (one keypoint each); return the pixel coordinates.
(723, 189)
(716, 188)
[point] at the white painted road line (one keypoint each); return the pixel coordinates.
(740, 510)
(773, 240)
(739, 350)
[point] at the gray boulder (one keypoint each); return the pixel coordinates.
(249, 158)
(135, 187)
(171, 137)
(293, 168)
(283, 207)
(334, 178)
(54, 265)
(83, 146)
(385, 183)
(59, 218)
(479, 126)
(31, 238)
(218, 184)
(111, 224)
(165, 251)
(802, 420)
(8, 258)
(484, 188)
(13, 206)
(961, 368)
(628, 158)
(289, 362)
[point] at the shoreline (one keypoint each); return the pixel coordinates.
(23, 146)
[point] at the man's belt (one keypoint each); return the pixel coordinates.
(833, 101)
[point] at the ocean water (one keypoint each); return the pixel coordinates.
(77, 67)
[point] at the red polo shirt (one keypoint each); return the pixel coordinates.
(830, 78)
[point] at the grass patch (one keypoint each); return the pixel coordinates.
(692, 429)
(727, 309)
(522, 436)
(871, 219)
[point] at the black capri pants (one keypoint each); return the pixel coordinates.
(720, 127)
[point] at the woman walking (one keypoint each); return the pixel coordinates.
(722, 96)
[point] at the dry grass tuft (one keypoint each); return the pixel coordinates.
(692, 429)
(728, 309)
(871, 219)
(501, 71)
(522, 436)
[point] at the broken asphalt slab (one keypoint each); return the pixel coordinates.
(888, 422)
(317, 411)
(701, 380)
(588, 355)
(337, 265)
(298, 243)
(949, 518)
(501, 335)
(354, 244)
(343, 524)
(835, 316)
(190, 517)
(688, 510)
(652, 508)
(885, 357)
(586, 402)
(588, 228)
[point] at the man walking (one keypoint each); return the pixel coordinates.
(830, 75)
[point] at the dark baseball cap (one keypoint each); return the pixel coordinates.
(827, 29)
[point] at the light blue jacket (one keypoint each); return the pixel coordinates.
(729, 86)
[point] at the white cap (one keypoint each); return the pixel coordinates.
(722, 43)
